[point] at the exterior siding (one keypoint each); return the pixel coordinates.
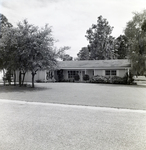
(65, 74)
(41, 75)
(28, 77)
(98, 72)
(122, 73)
(90, 73)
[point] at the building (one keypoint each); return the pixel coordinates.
(68, 69)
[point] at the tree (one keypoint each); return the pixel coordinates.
(62, 54)
(83, 54)
(121, 47)
(8, 50)
(27, 48)
(135, 32)
(4, 25)
(36, 48)
(4, 21)
(66, 57)
(101, 43)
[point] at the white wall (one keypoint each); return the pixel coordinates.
(90, 73)
(28, 77)
(99, 72)
(121, 73)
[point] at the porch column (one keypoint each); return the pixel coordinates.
(85, 71)
(81, 76)
(45, 75)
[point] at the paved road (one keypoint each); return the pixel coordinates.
(39, 126)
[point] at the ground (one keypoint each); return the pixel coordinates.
(73, 116)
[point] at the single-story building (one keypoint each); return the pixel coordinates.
(68, 69)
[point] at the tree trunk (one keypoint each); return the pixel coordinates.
(33, 74)
(20, 78)
(23, 77)
(14, 78)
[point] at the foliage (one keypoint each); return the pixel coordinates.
(76, 77)
(4, 21)
(86, 77)
(135, 32)
(27, 48)
(128, 78)
(101, 43)
(117, 80)
(4, 26)
(62, 55)
(99, 79)
(143, 27)
(83, 54)
(66, 57)
(121, 46)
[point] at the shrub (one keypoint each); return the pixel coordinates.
(86, 77)
(128, 80)
(99, 79)
(76, 77)
(117, 80)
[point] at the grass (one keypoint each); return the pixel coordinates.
(100, 95)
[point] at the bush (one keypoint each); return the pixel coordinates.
(128, 79)
(117, 80)
(76, 77)
(86, 77)
(99, 79)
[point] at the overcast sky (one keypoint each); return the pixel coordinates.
(71, 18)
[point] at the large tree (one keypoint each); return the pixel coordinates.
(5, 26)
(4, 21)
(8, 50)
(101, 43)
(28, 48)
(121, 47)
(135, 32)
(83, 54)
(36, 48)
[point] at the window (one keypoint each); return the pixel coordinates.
(71, 74)
(111, 72)
(107, 72)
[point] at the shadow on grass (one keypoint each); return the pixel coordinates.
(17, 88)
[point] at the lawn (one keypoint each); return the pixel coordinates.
(100, 95)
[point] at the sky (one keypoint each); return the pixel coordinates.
(70, 19)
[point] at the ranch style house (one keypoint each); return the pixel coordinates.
(68, 69)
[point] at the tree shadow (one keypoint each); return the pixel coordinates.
(17, 88)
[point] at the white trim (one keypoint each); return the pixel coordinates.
(45, 75)
(114, 68)
(117, 72)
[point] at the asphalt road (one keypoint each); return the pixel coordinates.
(39, 126)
